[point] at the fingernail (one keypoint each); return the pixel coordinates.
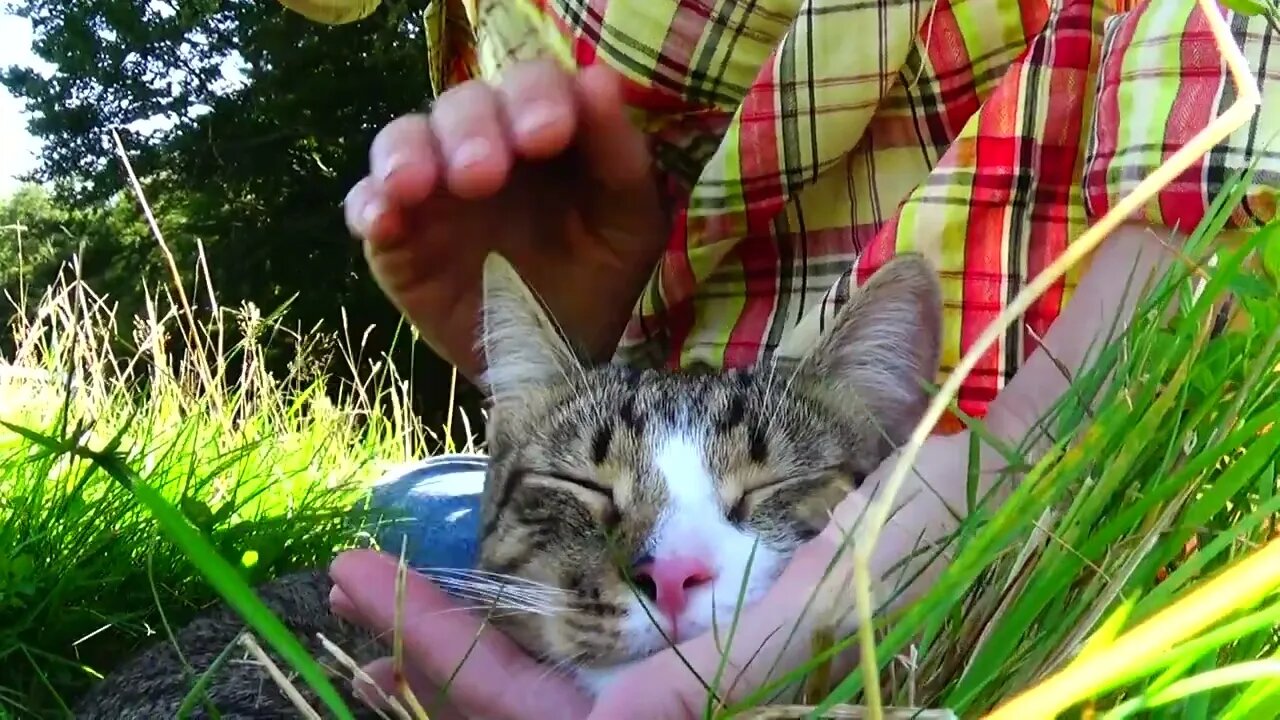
(537, 117)
(369, 216)
(341, 605)
(470, 152)
(394, 163)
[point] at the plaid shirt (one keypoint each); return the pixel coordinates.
(807, 141)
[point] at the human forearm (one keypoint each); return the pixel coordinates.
(933, 498)
(1122, 268)
(1106, 292)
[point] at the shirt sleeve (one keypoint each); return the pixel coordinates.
(1162, 80)
(332, 12)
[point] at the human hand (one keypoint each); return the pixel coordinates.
(486, 674)
(543, 168)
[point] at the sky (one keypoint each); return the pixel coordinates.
(18, 149)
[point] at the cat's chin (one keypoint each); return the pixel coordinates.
(595, 680)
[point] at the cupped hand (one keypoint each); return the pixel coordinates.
(446, 646)
(489, 677)
(543, 167)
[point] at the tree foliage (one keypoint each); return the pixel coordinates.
(247, 123)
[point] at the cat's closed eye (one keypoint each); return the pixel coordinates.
(611, 513)
(741, 508)
(584, 483)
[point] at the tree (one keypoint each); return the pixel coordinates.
(250, 121)
(109, 239)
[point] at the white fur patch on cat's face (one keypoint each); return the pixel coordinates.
(693, 523)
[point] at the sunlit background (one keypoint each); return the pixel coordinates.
(18, 149)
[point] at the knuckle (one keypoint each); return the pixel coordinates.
(541, 75)
(470, 108)
(463, 96)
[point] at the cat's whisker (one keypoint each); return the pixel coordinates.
(560, 666)
(495, 594)
(496, 589)
(500, 610)
(527, 592)
(486, 610)
(488, 582)
(498, 595)
(497, 600)
(488, 574)
(532, 609)
(512, 580)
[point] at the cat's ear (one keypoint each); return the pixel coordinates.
(523, 349)
(882, 345)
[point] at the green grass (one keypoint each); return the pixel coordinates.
(260, 470)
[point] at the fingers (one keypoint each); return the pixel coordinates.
(381, 683)
(481, 129)
(540, 107)
(368, 215)
(342, 606)
(404, 160)
(475, 133)
(404, 169)
(446, 644)
(466, 145)
(627, 203)
(470, 129)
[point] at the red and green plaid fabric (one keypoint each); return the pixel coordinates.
(808, 141)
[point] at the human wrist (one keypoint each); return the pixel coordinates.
(923, 511)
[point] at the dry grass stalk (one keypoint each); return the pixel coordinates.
(358, 673)
(286, 686)
(844, 712)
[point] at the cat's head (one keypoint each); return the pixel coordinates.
(633, 504)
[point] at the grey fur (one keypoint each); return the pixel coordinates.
(153, 685)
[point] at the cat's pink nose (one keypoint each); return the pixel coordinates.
(670, 579)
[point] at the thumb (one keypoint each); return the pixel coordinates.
(624, 204)
(616, 151)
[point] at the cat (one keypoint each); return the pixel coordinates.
(630, 508)
(641, 500)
